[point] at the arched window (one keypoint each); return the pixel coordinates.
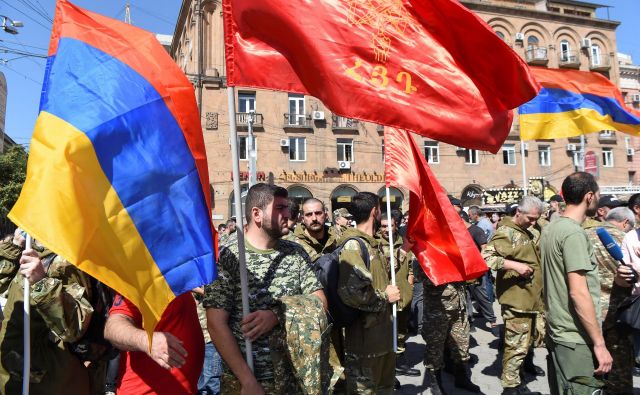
(341, 197)
(596, 55)
(299, 194)
(565, 50)
(396, 198)
(532, 42)
(232, 206)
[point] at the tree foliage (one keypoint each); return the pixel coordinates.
(13, 169)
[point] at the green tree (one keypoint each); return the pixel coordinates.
(13, 169)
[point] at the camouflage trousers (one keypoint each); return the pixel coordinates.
(520, 333)
(445, 323)
(370, 375)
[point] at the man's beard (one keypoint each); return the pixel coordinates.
(275, 232)
(315, 226)
(591, 212)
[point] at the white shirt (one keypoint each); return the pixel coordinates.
(629, 243)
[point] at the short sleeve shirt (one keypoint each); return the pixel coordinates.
(478, 235)
(141, 374)
(282, 271)
(565, 248)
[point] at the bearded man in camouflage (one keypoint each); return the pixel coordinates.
(276, 269)
(513, 253)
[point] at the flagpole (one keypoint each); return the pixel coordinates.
(392, 263)
(233, 134)
(26, 336)
(524, 168)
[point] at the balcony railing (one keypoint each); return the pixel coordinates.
(607, 136)
(570, 59)
(600, 63)
(537, 56)
(343, 123)
(242, 119)
(298, 121)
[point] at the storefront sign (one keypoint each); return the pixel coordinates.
(506, 195)
(329, 176)
(591, 164)
(244, 176)
(619, 190)
(471, 195)
(536, 187)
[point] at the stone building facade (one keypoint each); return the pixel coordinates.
(302, 146)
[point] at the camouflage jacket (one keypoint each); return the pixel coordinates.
(404, 268)
(226, 240)
(514, 243)
(202, 316)
(606, 264)
(9, 264)
(313, 247)
(273, 274)
(443, 297)
(364, 289)
(60, 313)
(306, 343)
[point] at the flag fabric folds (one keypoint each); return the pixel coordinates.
(572, 103)
(432, 67)
(117, 179)
(443, 245)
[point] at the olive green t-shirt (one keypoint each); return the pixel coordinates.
(565, 248)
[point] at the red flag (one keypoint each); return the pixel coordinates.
(432, 67)
(443, 245)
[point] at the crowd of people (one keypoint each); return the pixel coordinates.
(321, 302)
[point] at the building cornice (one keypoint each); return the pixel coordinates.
(180, 25)
(477, 5)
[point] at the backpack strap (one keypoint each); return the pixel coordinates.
(364, 251)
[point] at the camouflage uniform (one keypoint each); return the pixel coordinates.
(618, 340)
(404, 265)
(521, 299)
(229, 240)
(316, 248)
(369, 357)
(60, 313)
(273, 274)
(444, 320)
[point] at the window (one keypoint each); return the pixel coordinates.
(577, 161)
(500, 34)
(432, 151)
(565, 51)
(596, 59)
(296, 109)
(383, 150)
(345, 150)
(246, 101)
(509, 154)
(544, 155)
(607, 157)
(471, 157)
(532, 42)
(297, 149)
(243, 147)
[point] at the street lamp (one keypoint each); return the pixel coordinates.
(9, 25)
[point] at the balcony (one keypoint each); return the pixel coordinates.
(344, 123)
(569, 59)
(599, 63)
(537, 56)
(242, 119)
(607, 136)
(297, 121)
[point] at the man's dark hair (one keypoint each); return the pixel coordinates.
(634, 201)
(397, 216)
(474, 210)
(314, 200)
(260, 196)
(231, 221)
(464, 216)
(222, 227)
(577, 185)
(294, 209)
(362, 204)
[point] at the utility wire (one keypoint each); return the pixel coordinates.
(19, 73)
(48, 28)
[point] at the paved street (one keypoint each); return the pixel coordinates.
(485, 372)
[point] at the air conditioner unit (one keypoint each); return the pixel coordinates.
(460, 148)
(630, 152)
(318, 115)
(585, 43)
(635, 98)
(284, 142)
(519, 36)
(571, 147)
(344, 165)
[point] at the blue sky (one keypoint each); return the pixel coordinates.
(24, 75)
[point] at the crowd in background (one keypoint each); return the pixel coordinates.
(321, 297)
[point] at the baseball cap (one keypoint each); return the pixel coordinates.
(609, 201)
(341, 212)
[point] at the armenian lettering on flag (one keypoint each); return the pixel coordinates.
(572, 103)
(401, 63)
(443, 246)
(117, 178)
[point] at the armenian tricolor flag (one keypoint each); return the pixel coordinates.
(572, 103)
(117, 179)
